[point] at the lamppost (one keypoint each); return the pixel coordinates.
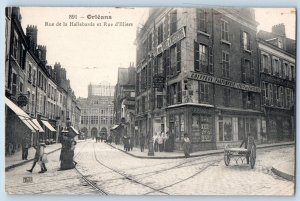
(150, 146)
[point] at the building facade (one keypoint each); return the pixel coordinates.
(96, 115)
(34, 94)
(124, 103)
(278, 82)
(197, 73)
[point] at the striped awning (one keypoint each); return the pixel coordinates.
(24, 117)
(76, 131)
(39, 127)
(48, 125)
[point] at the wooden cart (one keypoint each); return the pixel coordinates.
(248, 153)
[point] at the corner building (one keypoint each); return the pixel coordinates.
(197, 73)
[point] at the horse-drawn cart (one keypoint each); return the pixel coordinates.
(248, 153)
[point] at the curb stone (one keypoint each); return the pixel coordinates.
(27, 161)
(219, 151)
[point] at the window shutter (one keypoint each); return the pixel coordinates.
(196, 55)
(253, 100)
(166, 28)
(252, 73)
(242, 40)
(243, 70)
(164, 63)
(244, 98)
(250, 42)
(198, 19)
(269, 65)
(206, 92)
(271, 93)
(279, 68)
(155, 66)
(273, 66)
(179, 94)
(168, 95)
(260, 61)
(201, 86)
(168, 65)
(211, 61)
(263, 91)
(178, 48)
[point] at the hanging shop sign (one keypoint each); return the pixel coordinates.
(223, 82)
(22, 100)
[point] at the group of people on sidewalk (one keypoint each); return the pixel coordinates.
(163, 142)
(128, 142)
(102, 137)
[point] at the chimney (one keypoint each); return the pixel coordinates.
(279, 29)
(43, 50)
(16, 14)
(31, 32)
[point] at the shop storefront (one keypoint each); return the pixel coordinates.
(197, 122)
(233, 126)
(209, 128)
(279, 125)
(19, 128)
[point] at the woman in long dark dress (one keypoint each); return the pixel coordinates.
(186, 143)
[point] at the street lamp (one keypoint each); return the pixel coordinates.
(150, 145)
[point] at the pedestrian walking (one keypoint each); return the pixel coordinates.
(131, 143)
(40, 157)
(98, 137)
(101, 137)
(155, 142)
(109, 139)
(126, 142)
(25, 147)
(160, 142)
(186, 143)
(142, 142)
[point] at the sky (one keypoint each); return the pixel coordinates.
(92, 54)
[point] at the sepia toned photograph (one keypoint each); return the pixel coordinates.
(150, 101)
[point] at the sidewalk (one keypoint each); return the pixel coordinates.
(136, 152)
(16, 159)
(285, 169)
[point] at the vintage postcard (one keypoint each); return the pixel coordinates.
(150, 101)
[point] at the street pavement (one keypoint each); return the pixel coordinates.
(103, 169)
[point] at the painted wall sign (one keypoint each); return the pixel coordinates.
(223, 82)
(173, 39)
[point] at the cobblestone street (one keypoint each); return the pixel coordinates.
(102, 169)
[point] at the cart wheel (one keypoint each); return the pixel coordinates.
(252, 156)
(227, 158)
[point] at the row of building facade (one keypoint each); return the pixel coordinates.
(208, 73)
(97, 110)
(43, 92)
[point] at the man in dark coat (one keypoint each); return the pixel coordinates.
(142, 142)
(126, 142)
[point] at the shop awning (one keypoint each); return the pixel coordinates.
(114, 127)
(39, 127)
(46, 123)
(76, 131)
(24, 117)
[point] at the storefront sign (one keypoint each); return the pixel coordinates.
(223, 82)
(173, 39)
(22, 100)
